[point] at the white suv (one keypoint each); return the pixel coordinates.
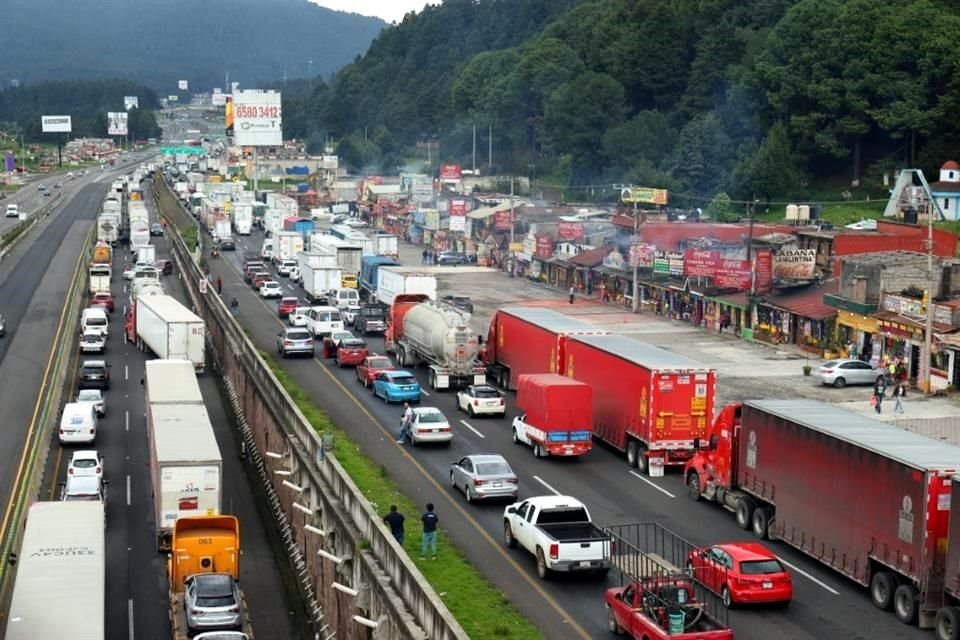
(286, 266)
(13, 211)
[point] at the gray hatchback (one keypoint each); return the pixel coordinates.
(294, 340)
(212, 602)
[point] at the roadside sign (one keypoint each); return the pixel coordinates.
(181, 151)
(203, 286)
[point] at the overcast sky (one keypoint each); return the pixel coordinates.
(389, 10)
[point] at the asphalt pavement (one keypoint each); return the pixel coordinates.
(825, 606)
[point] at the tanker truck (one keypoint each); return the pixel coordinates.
(422, 331)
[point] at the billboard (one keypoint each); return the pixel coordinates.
(642, 254)
(183, 85)
(458, 214)
(56, 124)
(668, 263)
(117, 123)
(643, 194)
(794, 264)
(726, 274)
(544, 246)
(451, 172)
(503, 219)
(762, 271)
(570, 231)
(257, 118)
(130, 102)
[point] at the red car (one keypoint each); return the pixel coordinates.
(286, 306)
(742, 573)
(370, 366)
(102, 299)
(332, 342)
(165, 267)
(351, 352)
(259, 278)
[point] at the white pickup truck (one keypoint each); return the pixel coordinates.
(559, 532)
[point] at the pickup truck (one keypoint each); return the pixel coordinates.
(661, 608)
(558, 531)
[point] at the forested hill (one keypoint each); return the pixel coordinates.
(158, 43)
(755, 97)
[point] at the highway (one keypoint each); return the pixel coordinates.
(825, 606)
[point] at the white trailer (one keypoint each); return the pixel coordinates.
(285, 204)
(394, 281)
(108, 227)
(385, 244)
(171, 382)
(99, 283)
(273, 221)
(349, 254)
(139, 236)
(316, 259)
(286, 245)
(60, 588)
(186, 470)
(170, 330)
(242, 218)
(137, 212)
(146, 253)
(318, 281)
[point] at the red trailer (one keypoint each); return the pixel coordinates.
(556, 418)
(947, 623)
(866, 499)
(528, 340)
(651, 403)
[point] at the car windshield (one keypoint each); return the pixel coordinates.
(485, 392)
(379, 363)
(292, 301)
(403, 380)
(492, 469)
(431, 416)
(84, 463)
(96, 322)
(89, 395)
(760, 567)
(298, 335)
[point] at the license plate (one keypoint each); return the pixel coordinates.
(498, 484)
(585, 563)
(767, 585)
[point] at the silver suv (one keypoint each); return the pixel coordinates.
(294, 340)
(212, 602)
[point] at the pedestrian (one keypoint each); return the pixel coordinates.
(879, 388)
(234, 306)
(891, 371)
(852, 350)
(395, 520)
(429, 536)
(219, 285)
(405, 422)
(572, 294)
(897, 396)
(423, 257)
(603, 292)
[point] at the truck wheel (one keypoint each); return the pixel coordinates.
(612, 625)
(632, 453)
(905, 604)
(508, 538)
(693, 486)
(433, 380)
(947, 625)
(882, 587)
(745, 507)
(761, 522)
(542, 569)
(643, 462)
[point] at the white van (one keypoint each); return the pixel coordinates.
(13, 211)
(78, 424)
(94, 318)
(322, 321)
(343, 298)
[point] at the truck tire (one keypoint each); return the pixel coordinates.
(882, 587)
(508, 538)
(612, 625)
(542, 569)
(643, 462)
(633, 452)
(433, 379)
(905, 604)
(693, 486)
(761, 522)
(947, 625)
(744, 512)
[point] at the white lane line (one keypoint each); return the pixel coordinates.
(130, 617)
(540, 480)
(126, 421)
(425, 392)
(126, 372)
(652, 484)
(809, 577)
(467, 425)
(128, 491)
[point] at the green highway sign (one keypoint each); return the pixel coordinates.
(181, 151)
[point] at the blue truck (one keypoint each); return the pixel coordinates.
(369, 265)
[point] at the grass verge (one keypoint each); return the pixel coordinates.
(190, 237)
(482, 610)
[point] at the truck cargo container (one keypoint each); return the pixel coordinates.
(99, 283)
(316, 259)
(318, 281)
(60, 588)
(947, 620)
(272, 221)
(385, 244)
(171, 382)
(866, 499)
(286, 245)
(170, 330)
(111, 204)
(139, 236)
(147, 254)
(393, 281)
(242, 218)
(303, 226)
(108, 227)
(137, 212)
(662, 404)
(221, 228)
(283, 203)
(102, 253)
(557, 415)
(185, 466)
(421, 331)
(529, 340)
(369, 266)
(349, 254)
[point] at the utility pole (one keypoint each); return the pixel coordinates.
(474, 149)
(927, 350)
(636, 267)
(310, 73)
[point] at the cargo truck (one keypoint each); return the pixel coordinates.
(421, 331)
(528, 340)
(221, 229)
(557, 415)
(349, 254)
(242, 218)
(171, 382)
(371, 317)
(139, 235)
(170, 330)
(393, 281)
(318, 281)
(206, 548)
(185, 467)
(663, 401)
(947, 620)
(108, 227)
(272, 221)
(369, 266)
(866, 499)
(286, 245)
(147, 254)
(385, 244)
(99, 283)
(60, 587)
(102, 253)
(316, 259)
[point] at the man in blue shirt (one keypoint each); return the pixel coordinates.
(429, 537)
(395, 520)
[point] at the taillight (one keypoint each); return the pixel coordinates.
(288, 342)
(827, 370)
(512, 479)
(445, 429)
(478, 483)
(70, 471)
(501, 402)
(61, 431)
(98, 471)
(310, 341)
(554, 551)
(476, 402)
(90, 431)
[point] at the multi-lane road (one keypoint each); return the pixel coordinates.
(825, 606)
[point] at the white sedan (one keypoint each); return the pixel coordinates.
(94, 397)
(430, 425)
(481, 399)
(271, 289)
(85, 463)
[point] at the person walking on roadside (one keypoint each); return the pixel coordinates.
(423, 257)
(879, 388)
(429, 536)
(395, 520)
(898, 393)
(573, 292)
(405, 422)
(219, 285)
(234, 306)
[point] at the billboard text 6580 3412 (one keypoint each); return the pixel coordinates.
(257, 118)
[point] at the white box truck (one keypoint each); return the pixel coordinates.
(137, 212)
(394, 281)
(318, 281)
(185, 466)
(171, 382)
(108, 227)
(349, 254)
(287, 244)
(60, 589)
(316, 259)
(386, 244)
(147, 254)
(170, 330)
(242, 218)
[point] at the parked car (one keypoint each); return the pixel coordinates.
(742, 573)
(429, 425)
(156, 229)
(484, 475)
(396, 386)
(461, 302)
(94, 397)
(270, 289)
(332, 342)
(93, 341)
(94, 374)
(294, 340)
(212, 601)
(103, 299)
(351, 352)
(451, 257)
(840, 373)
(368, 369)
(481, 399)
(165, 267)
(286, 306)
(85, 463)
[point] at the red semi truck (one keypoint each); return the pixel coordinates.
(528, 340)
(651, 403)
(947, 622)
(866, 499)
(556, 418)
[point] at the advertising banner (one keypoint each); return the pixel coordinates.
(503, 220)
(668, 263)
(643, 194)
(56, 124)
(431, 219)
(451, 172)
(795, 264)
(570, 231)
(457, 208)
(725, 273)
(117, 123)
(228, 115)
(257, 118)
(544, 248)
(183, 85)
(173, 98)
(129, 102)
(762, 271)
(642, 255)
(10, 163)
(458, 223)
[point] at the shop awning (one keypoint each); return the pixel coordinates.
(738, 299)
(949, 340)
(806, 303)
(918, 324)
(485, 212)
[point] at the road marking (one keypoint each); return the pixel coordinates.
(809, 577)
(425, 392)
(126, 372)
(652, 484)
(130, 617)
(467, 425)
(540, 480)
(128, 491)
(126, 420)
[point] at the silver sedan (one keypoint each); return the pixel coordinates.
(484, 475)
(840, 373)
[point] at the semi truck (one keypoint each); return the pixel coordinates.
(286, 245)
(316, 259)
(318, 281)
(349, 254)
(662, 402)
(170, 330)
(528, 340)
(108, 227)
(139, 235)
(866, 499)
(60, 587)
(393, 281)
(147, 254)
(242, 218)
(369, 267)
(204, 545)
(171, 382)
(102, 253)
(557, 415)
(421, 331)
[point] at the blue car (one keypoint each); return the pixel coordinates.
(396, 386)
